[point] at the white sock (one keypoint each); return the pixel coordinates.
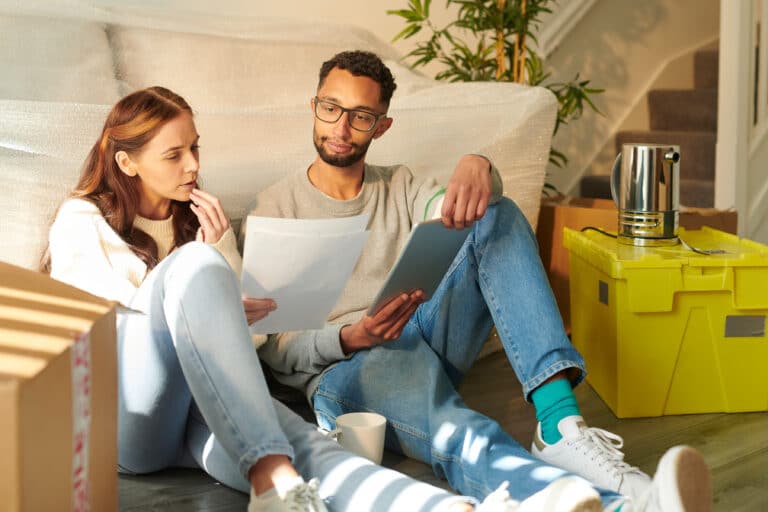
(283, 485)
(265, 496)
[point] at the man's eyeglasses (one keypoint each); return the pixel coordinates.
(360, 120)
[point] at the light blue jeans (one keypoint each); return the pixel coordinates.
(496, 278)
(188, 368)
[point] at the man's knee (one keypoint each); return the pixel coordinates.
(505, 208)
(504, 214)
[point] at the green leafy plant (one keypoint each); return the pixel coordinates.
(503, 30)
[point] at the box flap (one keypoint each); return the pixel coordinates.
(39, 318)
(19, 281)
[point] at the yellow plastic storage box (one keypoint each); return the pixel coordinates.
(669, 330)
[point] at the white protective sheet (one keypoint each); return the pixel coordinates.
(251, 97)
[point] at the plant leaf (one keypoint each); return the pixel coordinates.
(484, 20)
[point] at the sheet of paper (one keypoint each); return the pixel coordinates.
(302, 264)
(335, 226)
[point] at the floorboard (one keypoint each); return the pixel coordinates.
(735, 446)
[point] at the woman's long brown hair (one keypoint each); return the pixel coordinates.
(131, 124)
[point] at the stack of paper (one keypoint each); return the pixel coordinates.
(302, 264)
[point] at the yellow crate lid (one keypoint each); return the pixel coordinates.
(612, 257)
(655, 274)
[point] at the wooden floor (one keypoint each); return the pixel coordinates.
(735, 446)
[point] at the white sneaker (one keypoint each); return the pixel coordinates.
(594, 454)
(567, 494)
(682, 483)
(302, 497)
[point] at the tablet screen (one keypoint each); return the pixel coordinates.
(423, 262)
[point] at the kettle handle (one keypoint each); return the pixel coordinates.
(615, 179)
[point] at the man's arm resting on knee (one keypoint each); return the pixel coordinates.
(474, 175)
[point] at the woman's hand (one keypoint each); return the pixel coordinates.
(256, 309)
(213, 222)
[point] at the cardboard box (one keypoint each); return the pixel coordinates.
(58, 396)
(578, 212)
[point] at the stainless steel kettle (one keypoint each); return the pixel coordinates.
(645, 184)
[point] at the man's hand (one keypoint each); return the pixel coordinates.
(209, 211)
(256, 309)
(386, 325)
(468, 192)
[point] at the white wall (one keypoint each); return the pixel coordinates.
(623, 46)
(370, 14)
(620, 45)
(757, 183)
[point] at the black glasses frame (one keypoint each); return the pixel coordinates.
(349, 112)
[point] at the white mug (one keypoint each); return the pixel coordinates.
(361, 433)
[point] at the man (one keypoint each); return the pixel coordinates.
(407, 360)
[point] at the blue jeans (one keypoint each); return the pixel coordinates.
(187, 369)
(496, 278)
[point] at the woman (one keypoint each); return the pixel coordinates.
(137, 230)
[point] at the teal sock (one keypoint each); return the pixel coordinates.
(554, 401)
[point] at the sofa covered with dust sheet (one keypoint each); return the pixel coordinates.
(249, 82)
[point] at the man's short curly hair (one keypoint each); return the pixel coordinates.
(361, 63)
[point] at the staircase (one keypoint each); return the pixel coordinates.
(685, 117)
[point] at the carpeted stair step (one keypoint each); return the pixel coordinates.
(683, 110)
(697, 193)
(687, 118)
(693, 192)
(697, 149)
(705, 69)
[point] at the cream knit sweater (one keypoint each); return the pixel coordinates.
(87, 253)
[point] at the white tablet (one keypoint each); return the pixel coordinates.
(426, 257)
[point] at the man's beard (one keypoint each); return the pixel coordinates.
(357, 154)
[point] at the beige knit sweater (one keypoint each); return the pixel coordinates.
(395, 199)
